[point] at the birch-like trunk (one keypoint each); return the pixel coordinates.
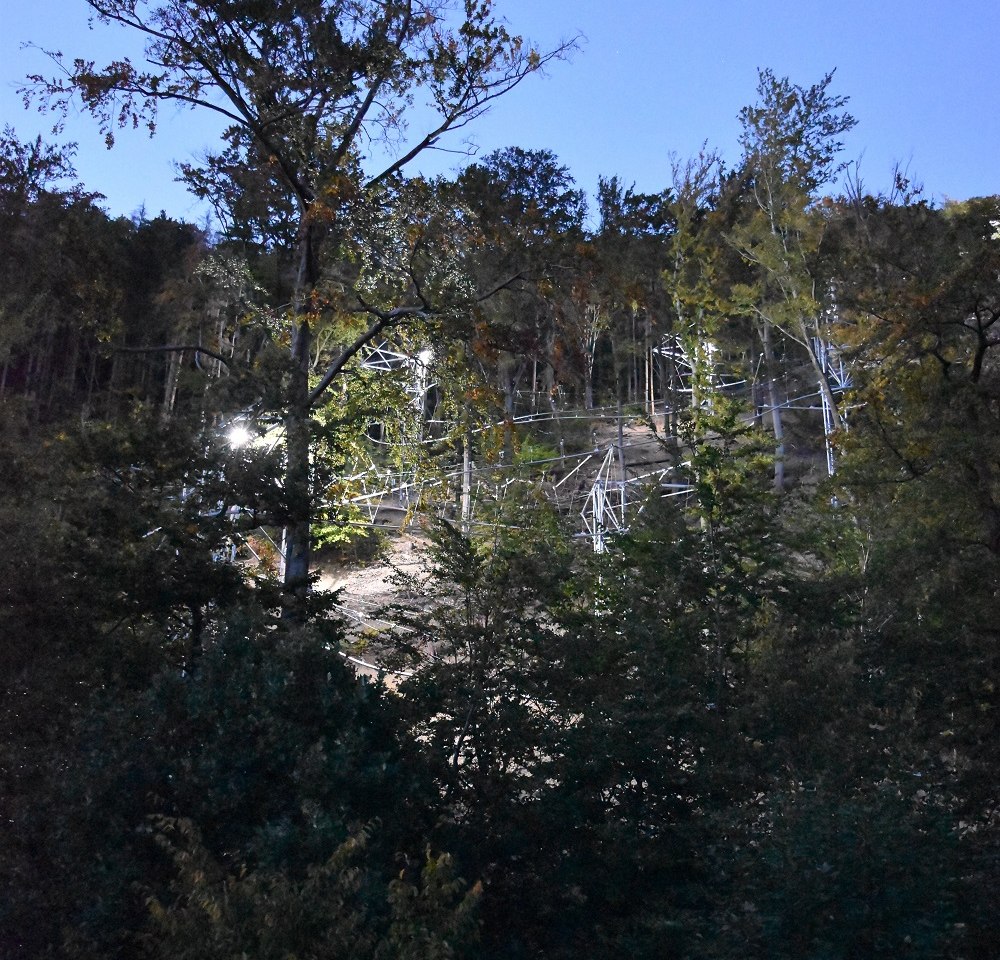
(466, 506)
(770, 368)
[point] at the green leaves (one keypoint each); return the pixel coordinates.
(791, 134)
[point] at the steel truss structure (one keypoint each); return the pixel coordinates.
(593, 485)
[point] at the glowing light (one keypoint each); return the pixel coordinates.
(238, 436)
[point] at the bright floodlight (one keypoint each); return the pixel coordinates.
(238, 436)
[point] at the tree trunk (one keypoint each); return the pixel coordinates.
(774, 408)
(822, 378)
(621, 434)
(466, 510)
(650, 381)
(174, 360)
(296, 538)
(296, 545)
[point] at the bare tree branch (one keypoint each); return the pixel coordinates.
(176, 348)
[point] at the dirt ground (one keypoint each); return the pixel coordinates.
(366, 588)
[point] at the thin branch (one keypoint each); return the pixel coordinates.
(377, 83)
(474, 101)
(175, 348)
(384, 319)
(505, 285)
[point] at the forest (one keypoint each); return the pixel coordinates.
(730, 698)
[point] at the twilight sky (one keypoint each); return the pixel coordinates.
(652, 78)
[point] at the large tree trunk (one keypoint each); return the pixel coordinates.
(296, 537)
(296, 546)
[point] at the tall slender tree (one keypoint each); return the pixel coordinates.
(791, 142)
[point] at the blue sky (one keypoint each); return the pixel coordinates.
(652, 78)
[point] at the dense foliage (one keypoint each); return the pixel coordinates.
(757, 722)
